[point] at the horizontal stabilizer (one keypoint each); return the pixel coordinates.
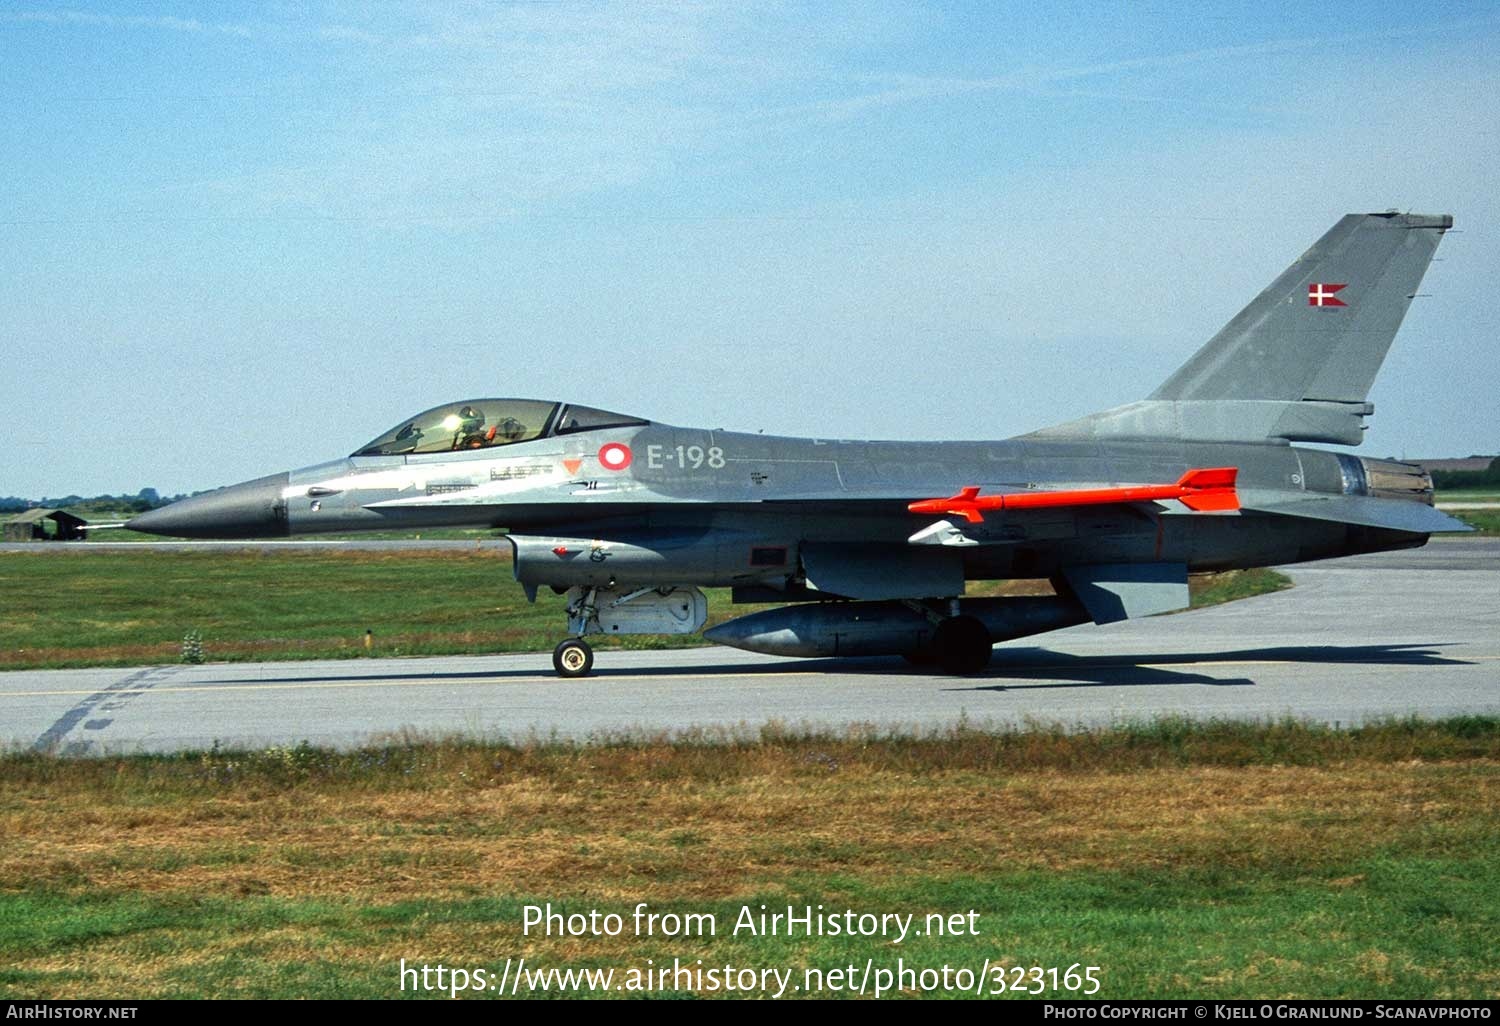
(1123, 591)
(1203, 490)
(1392, 514)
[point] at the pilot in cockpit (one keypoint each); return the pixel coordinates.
(468, 429)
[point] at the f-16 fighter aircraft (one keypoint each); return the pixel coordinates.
(869, 544)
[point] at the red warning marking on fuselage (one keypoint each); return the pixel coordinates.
(571, 466)
(615, 456)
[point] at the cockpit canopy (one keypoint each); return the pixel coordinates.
(484, 423)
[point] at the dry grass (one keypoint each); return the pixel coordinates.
(755, 823)
(1229, 860)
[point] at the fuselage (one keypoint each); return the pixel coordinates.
(746, 496)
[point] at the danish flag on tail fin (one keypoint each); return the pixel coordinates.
(1321, 293)
(1202, 490)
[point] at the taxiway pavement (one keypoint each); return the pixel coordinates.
(1392, 634)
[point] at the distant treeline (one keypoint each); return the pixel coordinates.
(1486, 478)
(146, 498)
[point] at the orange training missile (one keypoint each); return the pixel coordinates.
(1203, 490)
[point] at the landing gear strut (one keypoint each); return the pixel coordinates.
(963, 645)
(573, 658)
(612, 610)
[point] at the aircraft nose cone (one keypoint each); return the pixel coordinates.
(253, 509)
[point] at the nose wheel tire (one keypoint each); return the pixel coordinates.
(963, 645)
(573, 658)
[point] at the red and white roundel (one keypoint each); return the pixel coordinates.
(615, 456)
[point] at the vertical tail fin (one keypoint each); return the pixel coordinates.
(1298, 362)
(1322, 329)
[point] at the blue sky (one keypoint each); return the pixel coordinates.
(239, 238)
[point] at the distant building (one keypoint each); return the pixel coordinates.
(44, 525)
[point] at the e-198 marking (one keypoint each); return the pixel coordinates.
(684, 457)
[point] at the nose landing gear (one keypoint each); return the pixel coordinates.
(573, 658)
(668, 609)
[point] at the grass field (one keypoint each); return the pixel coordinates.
(1485, 521)
(1216, 860)
(116, 534)
(134, 607)
(1468, 495)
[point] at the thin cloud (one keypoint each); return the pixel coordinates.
(131, 21)
(907, 89)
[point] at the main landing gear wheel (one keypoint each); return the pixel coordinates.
(963, 645)
(573, 658)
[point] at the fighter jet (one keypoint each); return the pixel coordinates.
(868, 545)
